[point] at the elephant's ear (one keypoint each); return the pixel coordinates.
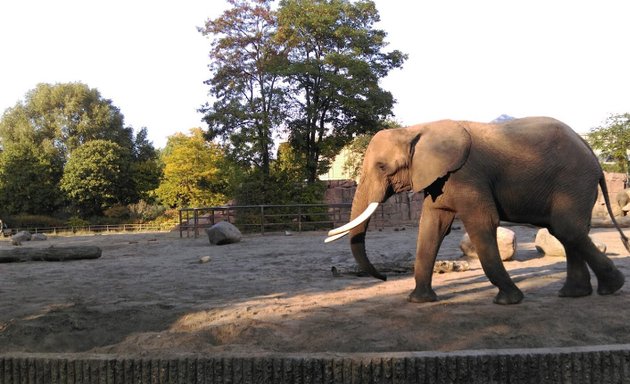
(439, 148)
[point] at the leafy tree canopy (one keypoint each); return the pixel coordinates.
(39, 135)
(336, 59)
(97, 176)
(245, 66)
(311, 68)
(612, 141)
(67, 115)
(193, 172)
(28, 178)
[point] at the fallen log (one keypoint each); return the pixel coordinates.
(21, 254)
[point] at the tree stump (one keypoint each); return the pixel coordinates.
(49, 254)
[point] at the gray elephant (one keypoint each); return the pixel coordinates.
(534, 170)
(623, 201)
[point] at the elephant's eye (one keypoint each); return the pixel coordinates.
(382, 167)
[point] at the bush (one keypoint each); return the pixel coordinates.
(117, 212)
(77, 222)
(33, 221)
(143, 212)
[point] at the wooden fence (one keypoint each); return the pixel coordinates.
(265, 218)
(95, 229)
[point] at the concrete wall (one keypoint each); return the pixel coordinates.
(603, 364)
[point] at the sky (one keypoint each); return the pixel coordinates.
(468, 60)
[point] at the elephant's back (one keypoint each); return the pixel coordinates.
(539, 142)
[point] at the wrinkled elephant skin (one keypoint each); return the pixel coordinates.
(533, 170)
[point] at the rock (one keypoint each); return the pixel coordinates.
(548, 245)
(444, 266)
(21, 236)
(223, 233)
(204, 259)
(39, 237)
(506, 240)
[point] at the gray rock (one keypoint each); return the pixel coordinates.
(548, 245)
(21, 236)
(39, 237)
(506, 240)
(223, 233)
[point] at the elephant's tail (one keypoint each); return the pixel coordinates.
(604, 187)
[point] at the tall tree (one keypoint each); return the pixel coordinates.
(192, 172)
(612, 140)
(28, 179)
(146, 166)
(245, 64)
(49, 125)
(66, 114)
(336, 59)
(97, 176)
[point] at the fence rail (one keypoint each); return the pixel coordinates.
(97, 228)
(265, 218)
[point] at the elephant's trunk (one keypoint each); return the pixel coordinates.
(357, 244)
(360, 218)
(364, 204)
(357, 234)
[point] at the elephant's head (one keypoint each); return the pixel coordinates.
(399, 160)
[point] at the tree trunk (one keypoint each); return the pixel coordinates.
(19, 254)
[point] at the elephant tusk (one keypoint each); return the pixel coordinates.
(335, 237)
(358, 220)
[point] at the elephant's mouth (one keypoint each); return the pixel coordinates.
(338, 233)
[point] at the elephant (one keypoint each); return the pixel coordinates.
(623, 201)
(534, 170)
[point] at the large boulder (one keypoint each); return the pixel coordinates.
(22, 236)
(223, 233)
(39, 237)
(506, 240)
(548, 245)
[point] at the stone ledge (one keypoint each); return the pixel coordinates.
(601, 364)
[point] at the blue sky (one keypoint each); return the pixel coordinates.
(467, 60)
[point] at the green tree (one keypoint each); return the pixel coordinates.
(97, 176)
(146, 166)
(66, 114)
(55, 120)
(28, 179)
(245, 65)
(192, 172)
(336, 60)
(612, 141)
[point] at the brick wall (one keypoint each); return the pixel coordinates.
(402, 208)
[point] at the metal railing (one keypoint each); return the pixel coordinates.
(265, 218)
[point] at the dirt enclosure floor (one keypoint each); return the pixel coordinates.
(149, 295)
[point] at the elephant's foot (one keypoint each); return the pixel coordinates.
(611, 284)
(513, 296)
(571, 289)
(422, 296)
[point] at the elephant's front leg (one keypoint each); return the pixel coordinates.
(483, 234)
(434, 225)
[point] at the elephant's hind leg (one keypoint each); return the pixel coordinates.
(581, 251)
(578, 282)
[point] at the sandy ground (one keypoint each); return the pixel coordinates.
(149, 295)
